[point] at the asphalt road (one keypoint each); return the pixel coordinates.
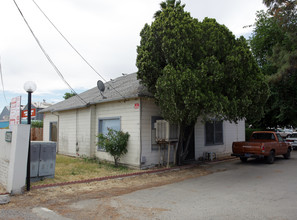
(235, 190)
(252, 190)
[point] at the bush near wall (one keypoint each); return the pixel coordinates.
(249, 131)
(37, 124)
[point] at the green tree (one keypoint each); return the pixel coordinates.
(284, 11)
(37, 124)
(276, 52)
(198, 69)
(284, 52)
(67, 95)
(115, 143)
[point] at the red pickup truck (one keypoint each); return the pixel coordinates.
(262, 144)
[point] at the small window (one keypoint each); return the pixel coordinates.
(214, 132)
(105, 124)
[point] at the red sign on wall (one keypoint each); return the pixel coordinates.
(136, 105)
(25, 113)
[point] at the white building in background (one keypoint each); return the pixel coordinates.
(127, 105)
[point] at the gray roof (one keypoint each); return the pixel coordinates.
(124, 87)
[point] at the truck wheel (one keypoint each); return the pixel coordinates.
(288, 154)
(270, 158)
(243, 159)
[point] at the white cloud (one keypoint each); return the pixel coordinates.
(105, 32)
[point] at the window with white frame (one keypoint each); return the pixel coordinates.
(107, 123)
(214, 132)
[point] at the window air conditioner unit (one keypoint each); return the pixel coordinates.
(166, 131)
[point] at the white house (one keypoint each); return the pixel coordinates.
(127, 105)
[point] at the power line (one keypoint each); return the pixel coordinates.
(48, 57)
(79, 54)
(2, 82)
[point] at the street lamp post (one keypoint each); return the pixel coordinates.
(29, 87)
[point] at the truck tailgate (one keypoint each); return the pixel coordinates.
(247, 147)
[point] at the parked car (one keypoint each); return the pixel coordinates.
(284, 132)
(292, 139)
(262, 144)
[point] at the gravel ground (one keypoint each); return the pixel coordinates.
(53, 198)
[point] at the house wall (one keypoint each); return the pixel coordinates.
(149, 109)
(67, 133)
(231, 132)
(83, 132)
(129, 114)
(47, 119)
(151, 157)
(74, 132)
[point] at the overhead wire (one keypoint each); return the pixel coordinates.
(78, 53)
(48, 57)
(2, 82)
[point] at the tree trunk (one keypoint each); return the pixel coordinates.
(116, 161)
(180, 145)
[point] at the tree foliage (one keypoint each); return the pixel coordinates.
(36, 124)
(67, 95)
(284, 11)
(115, 143)
(198, 69)
(283, 14)
(274, 44)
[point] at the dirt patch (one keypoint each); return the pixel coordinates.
(55, 197)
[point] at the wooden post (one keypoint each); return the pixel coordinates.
(159, 154)
(174, 160)
(168, 154)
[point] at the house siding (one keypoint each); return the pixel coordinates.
(150, 157)
(67, 133)
(77, 131)
(83, 132)
(47, 119)
(129, 118)
(231, 132)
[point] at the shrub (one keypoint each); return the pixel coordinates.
(115, 143)
(249, 131)
(37, 124)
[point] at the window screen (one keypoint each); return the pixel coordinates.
(214, 132)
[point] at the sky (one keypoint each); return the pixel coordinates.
(105, 32)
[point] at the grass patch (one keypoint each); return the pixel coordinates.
(73, 169)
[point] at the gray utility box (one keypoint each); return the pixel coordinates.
(43, 159)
